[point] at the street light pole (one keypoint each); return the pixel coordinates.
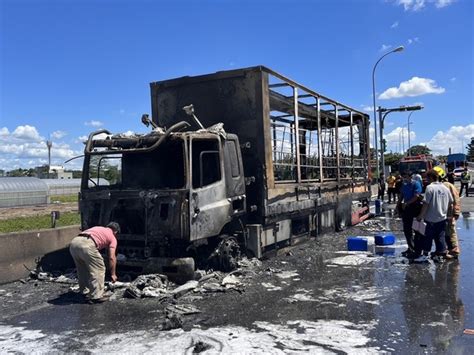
(386, 111)
(49, 144)
(408, 123)
(398, 49)
(401, 141)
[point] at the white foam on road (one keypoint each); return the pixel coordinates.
(287, 274)
(352, 260)
(320, 337)
(271, 287)
(366, 294)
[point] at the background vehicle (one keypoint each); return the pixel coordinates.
(454, 161)
(289, 164)
(457, 173)
(418, 164)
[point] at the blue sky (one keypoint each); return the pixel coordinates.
(69, 67)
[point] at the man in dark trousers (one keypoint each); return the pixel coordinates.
(410, 206)
(465, 181)
(437, 203)
(381, 186)
(89, 262)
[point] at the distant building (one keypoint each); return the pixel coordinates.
(57, 172)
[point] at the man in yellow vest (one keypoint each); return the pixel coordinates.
(392, 191)
(465, 181)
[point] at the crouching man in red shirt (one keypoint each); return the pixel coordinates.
(89, 262)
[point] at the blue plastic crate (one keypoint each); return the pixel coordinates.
(384, 239)
(357, 243)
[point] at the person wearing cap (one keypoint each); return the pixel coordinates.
(453, 214)
(436, 204)
(85, 250)
(409, 204)
(465, 181)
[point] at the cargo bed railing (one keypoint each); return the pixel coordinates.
(310, 143)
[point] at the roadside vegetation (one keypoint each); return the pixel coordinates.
(64, 198)
(21, 224)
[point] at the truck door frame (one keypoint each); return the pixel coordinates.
(209, 208)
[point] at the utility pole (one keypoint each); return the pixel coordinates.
(49, 144)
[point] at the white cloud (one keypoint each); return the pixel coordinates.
(93, 123)
(58, 134)
(413, 40)
(25, 148)
(412, 5)
(414, 87)
(81, 139)
(443, 3)
(453, 79)
(394, 25)
(417, 5)
(122, 111)
(366, 108)
(26, 133)
(397, 139)
(4, 131)
(385, 47)
(456, 138)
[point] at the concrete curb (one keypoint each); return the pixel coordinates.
(24, 250)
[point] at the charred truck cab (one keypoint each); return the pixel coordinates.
(271, 162)
(169, 191)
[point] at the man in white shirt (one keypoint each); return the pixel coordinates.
(436, 204)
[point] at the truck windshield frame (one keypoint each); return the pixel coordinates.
(164, 168)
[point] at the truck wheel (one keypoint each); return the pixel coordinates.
(228, 254)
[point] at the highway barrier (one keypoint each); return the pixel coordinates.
(24, 251)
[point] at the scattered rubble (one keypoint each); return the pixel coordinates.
(302, 296)
(200, 347)
(172, 321)
(183, 289)
(68, 278)
(182, 309)
(374, 225)
(249, 263)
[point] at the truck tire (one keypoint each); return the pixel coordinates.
(227, 254)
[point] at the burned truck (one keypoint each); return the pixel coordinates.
(237, 161)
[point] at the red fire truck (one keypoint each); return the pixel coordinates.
(417, 164)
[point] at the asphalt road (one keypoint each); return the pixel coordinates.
(319, 298)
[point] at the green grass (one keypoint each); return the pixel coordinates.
(21, 224)
(64, 198)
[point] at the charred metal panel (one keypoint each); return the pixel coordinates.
(210, 211)
(149, 220)
(254, 232)
(166, 215)
(327, 220)
(233, 98)
(210, 208)
(233, 168)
